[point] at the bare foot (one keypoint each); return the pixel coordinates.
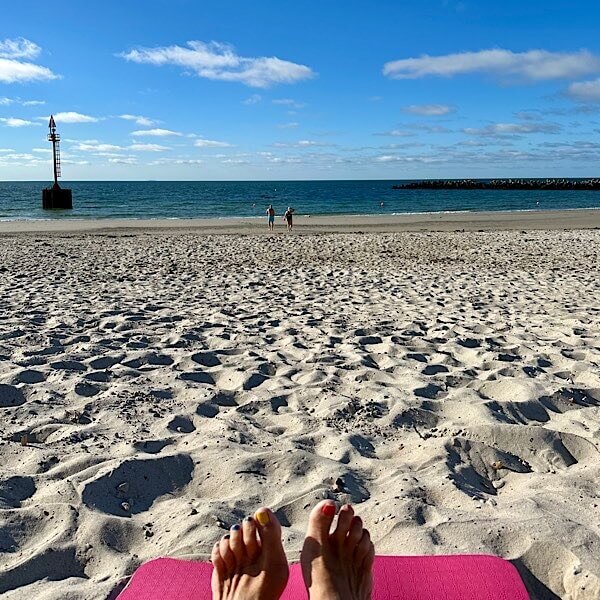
(249, 563)
(337, 565)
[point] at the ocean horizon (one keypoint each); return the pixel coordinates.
(249, 199)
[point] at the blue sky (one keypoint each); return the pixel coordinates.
(182, 89)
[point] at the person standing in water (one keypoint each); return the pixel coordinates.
(289, 218)
(271, 216)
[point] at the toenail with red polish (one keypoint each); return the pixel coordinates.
(329, 510)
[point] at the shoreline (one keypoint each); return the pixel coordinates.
(444, 221)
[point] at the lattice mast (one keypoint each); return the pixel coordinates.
(55, 139)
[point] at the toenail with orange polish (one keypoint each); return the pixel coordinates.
(263, 517)
(329, 510)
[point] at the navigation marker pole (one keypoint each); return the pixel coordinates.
(56, 197)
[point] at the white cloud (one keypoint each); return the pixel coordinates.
(130, 160)
(235, 161)
(585, 91)
(71, 117)
(109, 149)
(219, 61)
(19, 48)
(176, 161)
(504, 129)
(396, 133)
(254, 99)
(291, 125)
(13, 69)
(97, 147)
(8, 101)
(139, 120)
(288, 102)
(429, 110)
(203, 143)
(148, 147)
(156, 133)
(12, 122)
(75, 162)
(390, 158)
(301, 144)
(534, 65)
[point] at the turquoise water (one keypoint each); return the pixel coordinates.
(177, 200)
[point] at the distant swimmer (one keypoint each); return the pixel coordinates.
(271, 215)
(288, 216)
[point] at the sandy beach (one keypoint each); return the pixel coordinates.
(160, 380)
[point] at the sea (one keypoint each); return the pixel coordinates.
(228, 199)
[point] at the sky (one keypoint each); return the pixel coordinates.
(190, 90)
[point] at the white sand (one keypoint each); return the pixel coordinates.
(169, 383)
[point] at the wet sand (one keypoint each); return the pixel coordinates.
(471, 221)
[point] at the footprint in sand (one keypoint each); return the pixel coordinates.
(233, 379)
(475, 466)
(30, 376)
(181, 424)
(105, 362)
(134, 485)
(510, 390)
(206, 359)
(14, 490)
(430, 391)
(469, 343)
(35, 548)
(98, 376)
(416, 356)
(434, 370)
(86, 390)
(198, 377)
(206, 409)
(151, 446)
(10, 396)
(68, 365)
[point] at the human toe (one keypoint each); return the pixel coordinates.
(363, 548)
(354, 534)
(249, 538)
(344, 521)
(236, 543)
(320, 520)
(227, 554)
(218, 562)
(269, 531)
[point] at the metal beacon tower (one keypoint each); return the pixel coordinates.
(56, 197)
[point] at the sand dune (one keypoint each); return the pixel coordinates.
(156, 388)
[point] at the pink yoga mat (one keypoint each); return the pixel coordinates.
(469, 577)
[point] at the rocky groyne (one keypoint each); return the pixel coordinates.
(502, 184)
